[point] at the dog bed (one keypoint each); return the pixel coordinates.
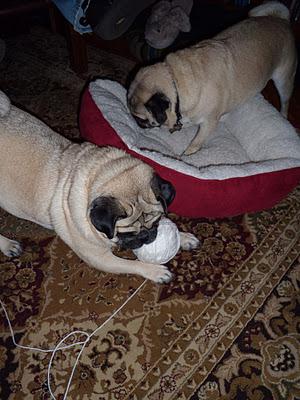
(248, 164)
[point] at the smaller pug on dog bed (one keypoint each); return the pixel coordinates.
(94, 198)
(201, 83)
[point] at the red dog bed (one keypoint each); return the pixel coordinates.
(250, 163)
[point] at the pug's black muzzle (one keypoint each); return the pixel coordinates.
(135, 240)
(142, 123)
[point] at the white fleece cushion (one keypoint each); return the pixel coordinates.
(252, 139)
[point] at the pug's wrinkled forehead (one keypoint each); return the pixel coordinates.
(139, 214)
(145, 212)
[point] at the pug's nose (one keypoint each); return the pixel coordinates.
(148, 235)
(143, 123)
(143, 235)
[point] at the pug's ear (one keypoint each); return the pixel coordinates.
(104, 213)
(157, 105)
(163, 190)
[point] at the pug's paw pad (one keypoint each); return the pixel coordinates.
(159, 274)
(11, 248)
(188, 241)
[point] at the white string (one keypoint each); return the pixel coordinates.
(58, 347)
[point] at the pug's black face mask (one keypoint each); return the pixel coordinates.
(135, 240)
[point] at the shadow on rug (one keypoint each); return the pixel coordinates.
(227, 326)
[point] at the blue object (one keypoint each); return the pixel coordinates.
(74, 12)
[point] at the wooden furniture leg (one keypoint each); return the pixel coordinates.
(77, 50)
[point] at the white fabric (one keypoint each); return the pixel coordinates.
(252, 139)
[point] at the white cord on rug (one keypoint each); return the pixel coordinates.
(57, 347)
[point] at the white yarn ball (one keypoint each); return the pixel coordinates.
(164, 247)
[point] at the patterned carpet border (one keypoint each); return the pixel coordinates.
(186, 365)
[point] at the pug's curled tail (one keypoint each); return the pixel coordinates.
(4, 104)
(271, 8)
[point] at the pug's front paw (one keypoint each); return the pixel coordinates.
(191, 150)
(188, 241)
(158, 273)
(11, 248)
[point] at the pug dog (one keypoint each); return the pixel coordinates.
(199, 84)
(94, 198)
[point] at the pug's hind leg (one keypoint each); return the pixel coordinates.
(188, 241)
(204, 130)
(11, 248)
(283, 79)
(285, 89)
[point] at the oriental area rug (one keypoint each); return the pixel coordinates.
(226, 327)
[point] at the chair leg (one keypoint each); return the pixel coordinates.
(77, 50)
(54, 18)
